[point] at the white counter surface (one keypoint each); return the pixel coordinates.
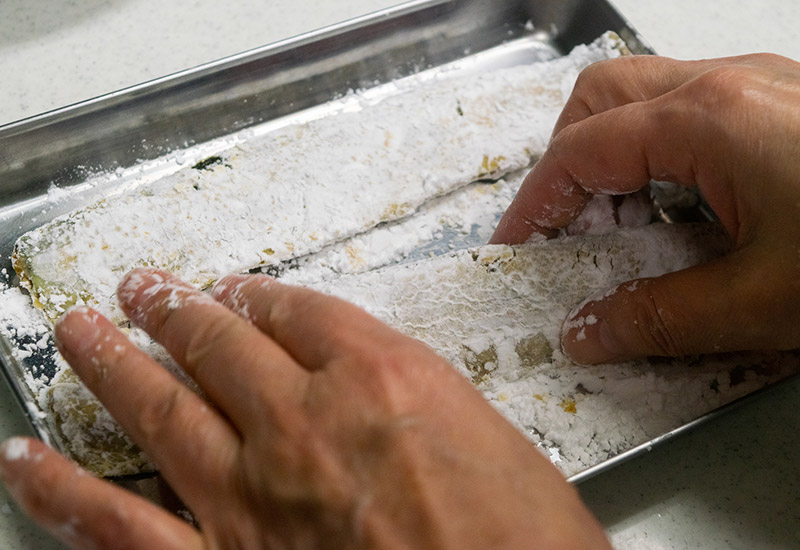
(732, 483)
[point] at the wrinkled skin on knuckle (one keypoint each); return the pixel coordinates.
(587, 82)
(777, 65)
(733, 98)
(155, 414)
(211, 335)
(768, 295)
(658, 325)
(597, 86)
(726, 86)
(594, 81)
(715, 139)
(292, 303)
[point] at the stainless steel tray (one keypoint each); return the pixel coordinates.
(114, 134)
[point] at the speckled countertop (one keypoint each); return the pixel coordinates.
(732, 483)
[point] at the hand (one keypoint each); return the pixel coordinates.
(327, 430)
(729, 126)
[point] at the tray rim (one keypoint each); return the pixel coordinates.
(210, 67)
(642, 47)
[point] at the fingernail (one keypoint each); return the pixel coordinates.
(77, 330)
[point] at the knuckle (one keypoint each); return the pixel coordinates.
(156, 414)
(588, 76)
(397, 374)
(602, 73)
(388, 367)
(591, 79)
(299, 460)
(726, 89)
(598, 85)
(303, 468)
(767, 59)
(658, 327)
(292, 302)
(208, 337)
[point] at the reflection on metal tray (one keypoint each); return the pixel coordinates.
(115, 135)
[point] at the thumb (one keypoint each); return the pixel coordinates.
(731, 304)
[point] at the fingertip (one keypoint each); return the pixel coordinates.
(14, 449)
(17, 454)
(134, 283)
(585, 338)
(604, 327)
(77, 330)
(227, 284)
(81, 510)
(235, 283)
(667, 316)
(515, 228)
(510, 230)
(148, 295)
(547, 200)
(233, 291)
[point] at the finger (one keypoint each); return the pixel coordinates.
(547, 200)
(187, 439)
(83, 511)
(316, 329)
(609, 84)
(241, 370)
(626, 122)
(605, 154)
(618, 152)
(694, 311)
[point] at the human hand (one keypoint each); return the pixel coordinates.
(327, 430)
(729, 126)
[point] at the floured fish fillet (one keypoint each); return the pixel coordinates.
(87, 432)
(497, 300)
(84, 428)
(495, 312)
(292, 191)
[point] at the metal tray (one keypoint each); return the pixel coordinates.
(115, 135)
